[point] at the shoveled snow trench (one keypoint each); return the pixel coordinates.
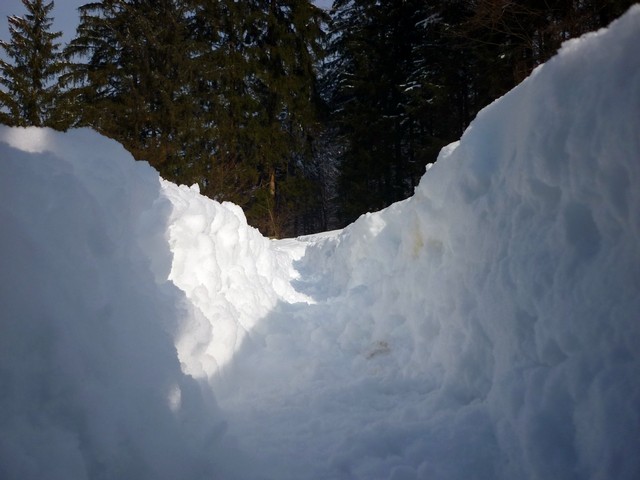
(486, 328)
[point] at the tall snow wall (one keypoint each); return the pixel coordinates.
(509, 284)
(98, 347)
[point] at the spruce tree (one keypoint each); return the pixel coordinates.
(221, 58)
(218, 93)
(131, 75)
(372, 48)
(409, 76)
(526, 33)
(288, 41)
(30, 93)
(258, 60)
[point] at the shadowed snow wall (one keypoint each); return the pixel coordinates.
(90, 381)
(509, 285)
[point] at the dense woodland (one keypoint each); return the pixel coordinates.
(305, 118)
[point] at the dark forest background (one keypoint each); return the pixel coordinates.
(303, 117)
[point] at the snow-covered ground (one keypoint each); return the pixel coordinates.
(488, 327)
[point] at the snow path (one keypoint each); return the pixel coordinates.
(295, 396)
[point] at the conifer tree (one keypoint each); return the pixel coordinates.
(30, 93)
(131, 76)
(372, 46)
(409, 76)
(288, 45)
(527, 33)
(258, 59)
(218, 93)
(222, 49)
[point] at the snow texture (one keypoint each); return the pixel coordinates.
(486, 328)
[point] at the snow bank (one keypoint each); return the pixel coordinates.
(91, 386)
(508, 287)
(232, 274)
(117, 290)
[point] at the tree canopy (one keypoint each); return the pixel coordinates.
(30, 94)
(306, 119)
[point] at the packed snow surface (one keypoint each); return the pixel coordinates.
(488, 327)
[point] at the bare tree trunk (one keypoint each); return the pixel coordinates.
(271, 204)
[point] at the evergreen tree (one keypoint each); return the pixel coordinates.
(372, 49)
(132, 78)
(288, 46)
(258, 62)
(30, 93)
(224, 102)
(525, 33)
(219, 93)
(443, 87)
(408, 77)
